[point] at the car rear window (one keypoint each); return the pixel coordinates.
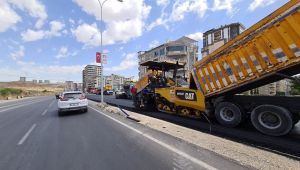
(72, 95)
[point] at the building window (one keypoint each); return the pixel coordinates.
(156, 53)
(217, 36)
(209, 39)
(204, 41)
(234, 31)
(162, 51)
(176, 48)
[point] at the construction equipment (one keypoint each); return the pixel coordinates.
(266, 52)
(125, 91)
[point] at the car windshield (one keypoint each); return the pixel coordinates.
(72, 95)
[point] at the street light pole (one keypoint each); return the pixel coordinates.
(101, 50)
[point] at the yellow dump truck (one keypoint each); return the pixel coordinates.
(266, 52)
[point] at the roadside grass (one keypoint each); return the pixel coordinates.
(5, 92)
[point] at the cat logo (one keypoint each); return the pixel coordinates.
(186, 95)
(189, 96)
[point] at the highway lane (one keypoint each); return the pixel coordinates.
(287, 145)
(35, 137)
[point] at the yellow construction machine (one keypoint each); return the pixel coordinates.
(168, 94)
(266, 52)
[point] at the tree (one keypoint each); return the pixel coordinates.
(295, 87)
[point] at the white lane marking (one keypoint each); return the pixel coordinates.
(43, 114)
(26, 135)
(20, 105)
(171, 148)
(17, 104)
(51, 104)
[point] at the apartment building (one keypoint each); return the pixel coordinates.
(116, 81)
(22, 79)
(183, 50)
(282, 87)
(215, 38)
(69, 86)
(91, 77)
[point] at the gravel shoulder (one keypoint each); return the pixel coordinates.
(245, 155)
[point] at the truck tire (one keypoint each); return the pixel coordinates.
(296, 119)
(272, 120)
(229, 114)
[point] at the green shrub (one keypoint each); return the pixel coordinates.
(9, 91)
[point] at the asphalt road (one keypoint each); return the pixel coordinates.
(287, 145)
(34, 137)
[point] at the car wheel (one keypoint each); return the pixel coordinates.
(60, 113)
(84, 110)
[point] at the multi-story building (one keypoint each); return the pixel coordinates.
(91, 77)
(116, 81)
(69, 86)
(282, 87)
(40, 81)
(215, 38)
(22, 79)
(34, 81)
(47, 81)
(79, 87)
(183, 50)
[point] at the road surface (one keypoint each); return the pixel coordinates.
(286, 145)
(34, 137)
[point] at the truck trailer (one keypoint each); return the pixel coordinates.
(266, 52)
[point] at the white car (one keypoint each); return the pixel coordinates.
(71, 101)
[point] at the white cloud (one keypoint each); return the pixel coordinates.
(31, 35)
(130, 61)
(180, 8)
(63, 52)
(153, 44)
(17, 55)
(56, 28)
(198, 36)
(35, 9)
(124, 21)
(162, 2)
(37, 71)
(260, 3)
(71, 21)
(227, 5)
(8, 17)
(87, 34)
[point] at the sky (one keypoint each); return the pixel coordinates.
(54, 40)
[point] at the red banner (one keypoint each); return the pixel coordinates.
(98, 57)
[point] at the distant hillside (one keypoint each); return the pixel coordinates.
(14, 89)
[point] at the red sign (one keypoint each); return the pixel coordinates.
(98, 57)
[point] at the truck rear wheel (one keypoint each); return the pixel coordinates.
(272, 120)
(229, 114)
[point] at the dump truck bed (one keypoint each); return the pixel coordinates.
(266, 52)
